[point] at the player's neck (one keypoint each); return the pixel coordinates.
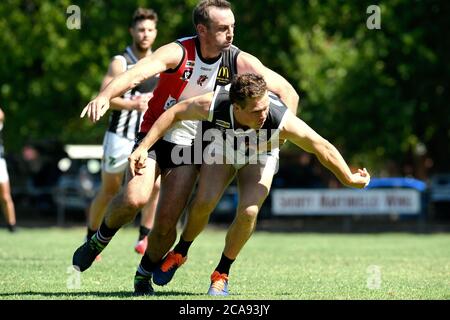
(140, 53)
(208, 52)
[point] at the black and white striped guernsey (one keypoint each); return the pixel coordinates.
(126, 123)
(221, 117)
(2, 149)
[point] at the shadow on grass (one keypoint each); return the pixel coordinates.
(178, 293)
(98, 294)
(117, 294)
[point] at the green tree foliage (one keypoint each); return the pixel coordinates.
(377, 94)
(49, 72)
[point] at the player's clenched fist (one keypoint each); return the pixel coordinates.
(137, 161)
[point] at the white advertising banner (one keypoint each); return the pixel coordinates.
(339, 202)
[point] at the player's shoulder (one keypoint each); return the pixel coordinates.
(275, 100)
(247, 58)
(222, 93)
(186, 43)
(172, 54)
(173, 47)
(277, 108)
(186, 39)
(117, 65)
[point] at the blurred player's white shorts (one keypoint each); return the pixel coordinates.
(116, 151)
(3, 171)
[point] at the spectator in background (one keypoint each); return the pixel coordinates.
(42, 167)
(43, 174)
(5, 189)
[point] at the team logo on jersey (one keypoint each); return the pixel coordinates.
(202, 79)
(169, 102)
(223, 76)
(186, 75)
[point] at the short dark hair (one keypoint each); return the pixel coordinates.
(200, 15)
(245, 86)
(143, 14)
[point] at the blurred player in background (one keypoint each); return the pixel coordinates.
(5, 189)
(124, 123)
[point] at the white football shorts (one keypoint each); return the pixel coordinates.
(116, 150)
(3, 171)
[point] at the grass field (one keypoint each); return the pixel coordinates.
(36, 264)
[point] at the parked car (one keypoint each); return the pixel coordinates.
(79, 181)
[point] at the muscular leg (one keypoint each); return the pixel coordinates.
(176, 187)
(214, 179)
(132, 197)
(253, 185)
(149, 210)
(147, 218)
(121, 210)
(7, 203)
(111, 183)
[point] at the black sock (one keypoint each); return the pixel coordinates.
(143, 232)
(146, 267)
(224, 265)
(11, 227)
(182, 247)
(105, 234)
(90, 233)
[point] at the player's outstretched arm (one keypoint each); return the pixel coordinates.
(166, 57)
(117, 67)
(196, 108)
(306, 138)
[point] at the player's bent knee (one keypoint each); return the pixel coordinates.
(134, 202)
(248, 214)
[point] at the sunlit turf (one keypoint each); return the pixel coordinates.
(36, 264)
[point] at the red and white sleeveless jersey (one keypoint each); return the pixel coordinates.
(194, 76)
